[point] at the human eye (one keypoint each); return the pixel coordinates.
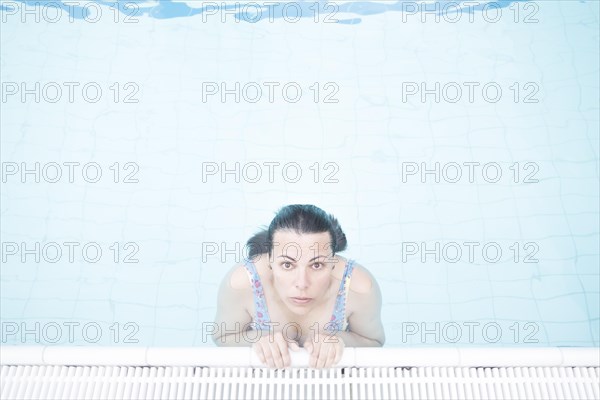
(286, 265)
(317, 266)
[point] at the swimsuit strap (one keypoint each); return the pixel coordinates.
(261, 316)
(338, 318)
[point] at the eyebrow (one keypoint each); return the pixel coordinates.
(314, 258)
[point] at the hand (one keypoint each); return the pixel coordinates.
(324, 349)
(274, 351)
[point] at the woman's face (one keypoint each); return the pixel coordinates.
(302, 265)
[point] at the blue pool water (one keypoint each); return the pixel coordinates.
(537, 283)
(254, 12)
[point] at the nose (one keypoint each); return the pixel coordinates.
(302, 279)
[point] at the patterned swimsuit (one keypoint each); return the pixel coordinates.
(261, 317)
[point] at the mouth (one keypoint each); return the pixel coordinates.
(301, 300)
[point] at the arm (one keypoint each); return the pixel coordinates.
(366, 329)
(352, 339)
(232, 317)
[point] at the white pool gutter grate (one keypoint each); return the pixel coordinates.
(210, 373)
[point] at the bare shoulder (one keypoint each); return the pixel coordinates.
(234, 301)
(362, 280)
(364, 306)
(238, 277)
(235, 287)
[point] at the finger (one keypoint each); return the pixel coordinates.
(308, 346)
(338, 355)
(314, 355)
(259, 351)
(277, 356)
(283, 359)
(323, 355)
(294, 346)
(268, 355)
(331, 355)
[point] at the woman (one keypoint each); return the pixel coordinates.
(296, 291)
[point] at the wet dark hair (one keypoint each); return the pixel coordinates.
(301, 218)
